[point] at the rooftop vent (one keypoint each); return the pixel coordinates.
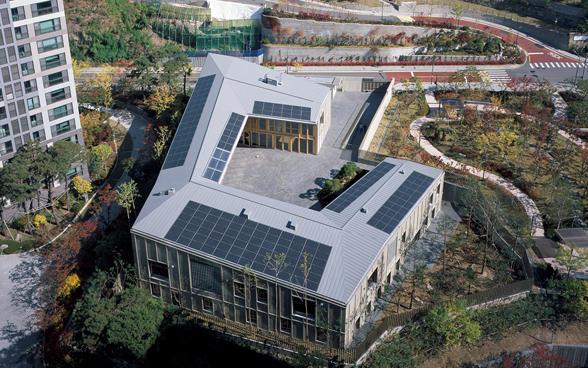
(292, 225)
(401, 171)
(171, 191)
(246, 213)
(271, 81)
(363, 210)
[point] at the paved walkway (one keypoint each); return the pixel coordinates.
(527, 202)
(19, 276)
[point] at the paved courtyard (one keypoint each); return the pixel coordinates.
(19, 279)
(297, 177)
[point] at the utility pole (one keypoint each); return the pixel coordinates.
(577, 66)
(433, 68)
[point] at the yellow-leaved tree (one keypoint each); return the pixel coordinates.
(162, 99)
(72, 282)
(504, 140)
(39, 220)
(81, 186)
(91, 126)
(79, 68)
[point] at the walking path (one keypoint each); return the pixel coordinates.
(19, 273)
(526, 201)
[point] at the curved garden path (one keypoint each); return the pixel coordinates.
(526, 201)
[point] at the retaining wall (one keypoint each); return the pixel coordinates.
(375, 123)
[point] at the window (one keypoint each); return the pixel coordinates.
(39, 136)
(358, 323)
(369, 307)
(60, 112)
(206, 277)
(30, 85)
(1, 96)
(301, 310)
(6, 74)
(18, 13)
(75, 171)
(3, 113)
(11, 54)
(3, 59)
(55, 78)
(15, 126)
(252, 317)
(51, 62)
(404, 237)
(33, 103)
(27, 68)
(438, 188)
(18, 90)
(8, 35)
(156, 290)
(5, 17)
(57, 95)
(389, 278)
(379, 294)
(14, 71)
(158, 269)
(24, 51)
(50, 44)
(373, 278)
(285, 325)
(262, 295)
(36, 120)
(4, 131)
(21, 32)
(176, 298)
(207, 305)
(239, 289)
(46, 7)
(6, 147)
(322, 335)
(73, 138)
(47, 26)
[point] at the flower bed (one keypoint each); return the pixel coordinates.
(395, 63)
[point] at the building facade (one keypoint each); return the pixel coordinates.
(37, 90)
(195, 237)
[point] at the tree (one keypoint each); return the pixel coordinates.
(178, 65)
(17, 183)
(5, 184)
(249, 282)
(79, 68)
(106, 197)
(504, 141)
(101, 152)
(81, 186)
(66, 153)
(571, 257)
(445, 227)
(146, 66)
(127, 193)
(277, 264)
(161, 144)
(91, 126)
(48, 168)
(454, 322)
(101, 84)
(162, 99)
(565, 203)
(134, 323)
(305, 270)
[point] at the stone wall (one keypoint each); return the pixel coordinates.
(327, 30)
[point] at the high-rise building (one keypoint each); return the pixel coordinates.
(37, 89)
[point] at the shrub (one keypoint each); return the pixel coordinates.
(469, 152)
(77, 207)
(20, 223)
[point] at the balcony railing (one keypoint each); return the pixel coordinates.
(54, 46)
(53, 64)
(39, 12)
(40, 31)
(57, 98)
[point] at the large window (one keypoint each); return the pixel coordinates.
(156, 290)
(301, 310)
(282, 135)
(30, 85)
(61, 128)
(47, 26)
(3, 113)
(36, 119)
(239, 289)
(50, 44)
(262, 295)
(206, 277)
(55, 78)
(27, 68)
(158, 269)
(252, 317)
(18, 13)
(207, 305)
(24, 51)
(46, 7)
(51, 62)
(285, 325)
(60, 112)
(39, 136)
(57, 95)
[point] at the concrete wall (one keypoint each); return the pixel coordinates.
(375, 123)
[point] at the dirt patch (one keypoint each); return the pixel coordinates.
(486, 349)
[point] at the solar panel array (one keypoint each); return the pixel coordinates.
(221, 154)
(183, 138)
(400, 203)
(281, 111)
(243, 241)
(357, 189)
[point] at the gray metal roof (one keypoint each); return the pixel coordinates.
(355, 245)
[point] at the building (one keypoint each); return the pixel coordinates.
(37, 91)
(194, 235)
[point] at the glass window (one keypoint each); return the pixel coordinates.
(278, 126)
(62, 128)
(156, 290)
(262, 295)
(52, 61)
(21, 32)
(46, 7)
(303, 145)
(262, 124)
(36, 120)
(30, 86)
(47, 26)
(56, 96)
(60, 112)
(158, 269)
(1, 95)
(55, 78)
(18, 13)
(294, 144)
(254, 139)
(24, 50)
(50, 44)
(311, 147)
(5, 148)
(285, 325)
(2, 112)
(33, 103)
(207, 305)
(252, 317)
(4, 131)
(239, 289)
(27, 68)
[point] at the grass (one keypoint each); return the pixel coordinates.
(17, 247)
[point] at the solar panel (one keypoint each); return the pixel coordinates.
(183, 138)
(357, 189)
(223, 149)
(243, 241)
(399, 203)
(281, 111)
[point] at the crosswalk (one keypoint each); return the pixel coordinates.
(555, 65)
(494, 76)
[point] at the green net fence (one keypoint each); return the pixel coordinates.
(194, 29)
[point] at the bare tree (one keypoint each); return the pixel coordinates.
(277, 264)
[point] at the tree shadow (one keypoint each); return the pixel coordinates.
(17, 353)
(25, 277)
(311, 194)
(320, 182)
(334, 173)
